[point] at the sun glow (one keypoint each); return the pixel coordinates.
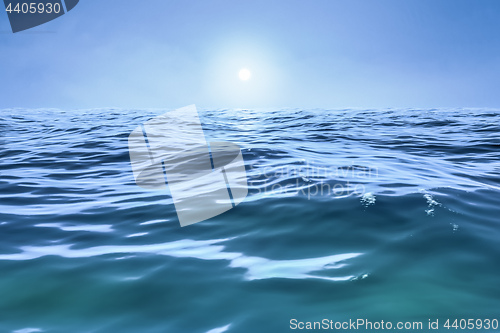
(244, 74)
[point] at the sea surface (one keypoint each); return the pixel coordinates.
(383, 214)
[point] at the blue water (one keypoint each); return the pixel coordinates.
(380, 214)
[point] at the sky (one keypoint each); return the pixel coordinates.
(311, 54)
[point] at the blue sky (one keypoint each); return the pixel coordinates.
(326, 54)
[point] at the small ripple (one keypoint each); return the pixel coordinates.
(368, 199)
(220, 329)
(139, 234)
(28, 330)
(81, 227)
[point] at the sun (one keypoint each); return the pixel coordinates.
(244, 74)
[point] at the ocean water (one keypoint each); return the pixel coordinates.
(382, 214)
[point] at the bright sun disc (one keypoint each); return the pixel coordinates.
(244, 74)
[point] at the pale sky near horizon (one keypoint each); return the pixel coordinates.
(321, 53)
